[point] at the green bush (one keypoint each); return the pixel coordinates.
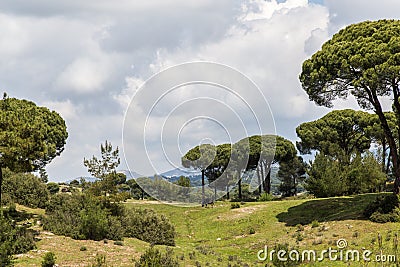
(266, 197)
(385, 217)
(99, 261)
(53, 187)
(25, 189)
(252, 231)
(87, 217)
(118, 243)
(235, 205)
(314, 224)
(82, 217)
(49, 260)
(153, 257)
(328, 177)
(13, 240)
(279, 263)
(148, 226)
(384, 209)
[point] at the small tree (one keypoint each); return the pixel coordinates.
(49, 260)
(105, 168)
(200, 158)
(290, 172)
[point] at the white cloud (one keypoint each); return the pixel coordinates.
(76, 57)
(66, 108)
(84, 75)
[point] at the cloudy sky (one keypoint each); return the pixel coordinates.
(87, 59)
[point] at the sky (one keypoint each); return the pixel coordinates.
(90, 60)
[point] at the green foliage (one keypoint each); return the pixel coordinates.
(290, 173)
(82, 216)
(384, 209)
(74, 183)
(385, 217)
(328, 177)
(252, 231)
(99, 261)
(13, 240)
(153, 257)
(183, 181)
(53, 187)
(118, 243)
(135, 190)
(368, 55)
(105, 170)
(25, 189)
(246, 195)
(199, 157)
(30, 136)
(363, 59)
(107, 164)
(314, 224)
(266, 197)
(279, 263)
(235, 205)
(339, 134)
(146, 225)
(49, 260)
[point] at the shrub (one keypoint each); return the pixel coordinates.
(279, 263)
(53, 187)
(153, 257)
(83, 217)
(25, 189)
(49, 260)
(382, 204)
(235, 205)
(266, 197)
(252, 231)
(384, 217)
(384, 209)
(13, 240)
(118, 243)
(99, 261)
(148, 226)
(314, 224)
(87, 217)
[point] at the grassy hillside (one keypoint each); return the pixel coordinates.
(222, 236)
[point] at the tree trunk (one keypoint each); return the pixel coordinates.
(383, 154)
(202, 188)
(240, 188)
(393, 151)
(268, 182)
(215, 193)
(389, 135)
(227, 192)
(259, 180)
(262, 175)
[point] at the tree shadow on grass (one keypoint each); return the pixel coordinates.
(327, 209)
